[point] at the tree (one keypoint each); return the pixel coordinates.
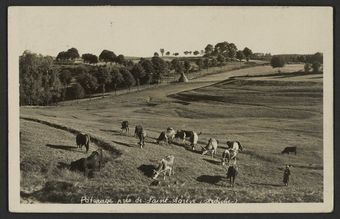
(65, 77)
(196, 53)
(116, 78)
(316, 66)
(209, 49)
(199, 63)
(187, 66)
(176, 54)
(317, 57)
(39, 81)
(206, 63)
(240, 55)
(162, 51)
(138, 73)
(88, 82)
(76, 91)
(167, 53)
(214, 61)
(129, 81)
(247, 53)
(107, 56)
(62, 56)
(277, 62)
(120, 59)
(177, 66)
(73, 53)
(90, 58)
(149, 70)
(159, 66)
(103, 77)
(156, 54)
(220, 59)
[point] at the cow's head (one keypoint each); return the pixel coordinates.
(155, 174)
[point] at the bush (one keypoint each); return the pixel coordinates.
(277, 62)
(316, 67)
(75, 92)
(307, 67)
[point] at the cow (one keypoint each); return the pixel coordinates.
(165, 166)
(211, 146)
(288, 150)
(91, 163)
(193, 137)
(233, 147)
(141, 134)
(83, 139)
(232, 173)
(167, 136)
(125, 127)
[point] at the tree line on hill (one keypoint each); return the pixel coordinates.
(312, 63)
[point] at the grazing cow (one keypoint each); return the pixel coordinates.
(193, 137)
(211, 146)
(141, 134)
(233, 147)
(232, 173)
(83, 139)
(288, 150)
(167, 136)
(165, 166)
(125, 127)
(91, 163)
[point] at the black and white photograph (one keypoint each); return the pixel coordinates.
(170, 109)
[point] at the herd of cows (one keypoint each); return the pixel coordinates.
(165, 165)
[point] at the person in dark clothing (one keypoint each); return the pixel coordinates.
(286, 175)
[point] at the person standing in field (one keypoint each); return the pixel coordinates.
(286, 175)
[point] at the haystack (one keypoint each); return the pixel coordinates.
(183, 78)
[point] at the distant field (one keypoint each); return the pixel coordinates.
(264, 113)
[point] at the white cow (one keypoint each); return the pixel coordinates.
(165, 166)
(211, 146)
(231, 152)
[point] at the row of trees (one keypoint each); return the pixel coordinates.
(313, 63)
(227, 50)
(42, 82)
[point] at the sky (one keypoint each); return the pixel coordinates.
(141, 31)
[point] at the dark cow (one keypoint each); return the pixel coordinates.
(83, 139)
(232, 173)
(141, 134)
(288, 150)
(191, 135)
(125, 127)
(91, 163)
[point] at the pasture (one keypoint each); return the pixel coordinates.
(263, 110)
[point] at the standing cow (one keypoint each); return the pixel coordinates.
(233, 147)
(167, 136)
(141, 134)
(125, 127)
(83, 139)
(91, 163)
(211, 146)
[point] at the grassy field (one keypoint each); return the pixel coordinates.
(264, 113)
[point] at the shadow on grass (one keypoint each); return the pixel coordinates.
(65, 147)
(147, 169)
(115, 132)
(209, 179)
(122, 143)
(213, 161)
(62, 165)
(267, 184)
